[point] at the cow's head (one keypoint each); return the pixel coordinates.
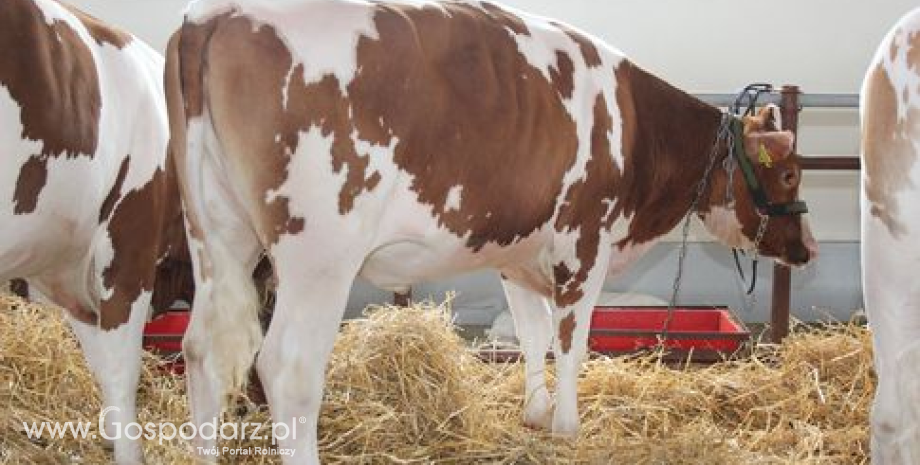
(735, 219)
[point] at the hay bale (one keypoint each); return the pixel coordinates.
(403, 387)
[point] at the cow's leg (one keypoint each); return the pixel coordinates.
(907, 379)
(224, 333)
(110, 337)
(115, 358)
(534, 327)
(893, 306)
(575, 294)
(310, 302)
(205, 391)
(896, 409)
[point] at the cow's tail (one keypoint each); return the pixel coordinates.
(224, 335)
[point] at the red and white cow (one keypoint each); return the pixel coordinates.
(891, 239)
(411, 140)
(89, 206)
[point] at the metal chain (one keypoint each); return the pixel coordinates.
(724, 133)
(729, 166)
(761, 232)
(751, 302)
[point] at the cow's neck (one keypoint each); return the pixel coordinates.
(667, 141)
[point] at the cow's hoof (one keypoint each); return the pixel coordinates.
(565, 427)
(538, 414)
(542, 422)
(567, 432)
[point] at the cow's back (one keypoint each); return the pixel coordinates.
(457, 117)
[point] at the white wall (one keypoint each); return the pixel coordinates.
(701, 46)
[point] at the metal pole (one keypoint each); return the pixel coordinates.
(839, 101)
(830, 163)
(782, 275)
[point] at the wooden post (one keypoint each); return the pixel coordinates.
(782, 275)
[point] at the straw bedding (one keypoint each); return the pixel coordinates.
(404, 388)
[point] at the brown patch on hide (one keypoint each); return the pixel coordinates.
(888, 151)
(49, 71)
(33, 175)
(893, 48)
(913, 52)
(589, 51)
(588, 204)
(565, 291)
(667, 137)
(451, 101)
(566, 330)
(114, 194)
(102, 33)
(135, 242)
(563, 75)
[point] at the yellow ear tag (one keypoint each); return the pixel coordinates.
(764, 157)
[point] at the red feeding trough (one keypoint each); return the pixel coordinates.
(163, 336)
(698, 334)
(708, 333)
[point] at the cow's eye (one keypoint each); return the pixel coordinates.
(790, 178)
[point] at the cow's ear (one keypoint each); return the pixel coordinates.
(772, 117)
(769, 118)
(766, 147)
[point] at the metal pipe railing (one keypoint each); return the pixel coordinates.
(805, 100)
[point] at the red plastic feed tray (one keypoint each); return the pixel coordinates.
(163, 335)
(708, 332)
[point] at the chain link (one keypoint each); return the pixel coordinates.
(751, 299)
(761, 232)
(729, 166)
